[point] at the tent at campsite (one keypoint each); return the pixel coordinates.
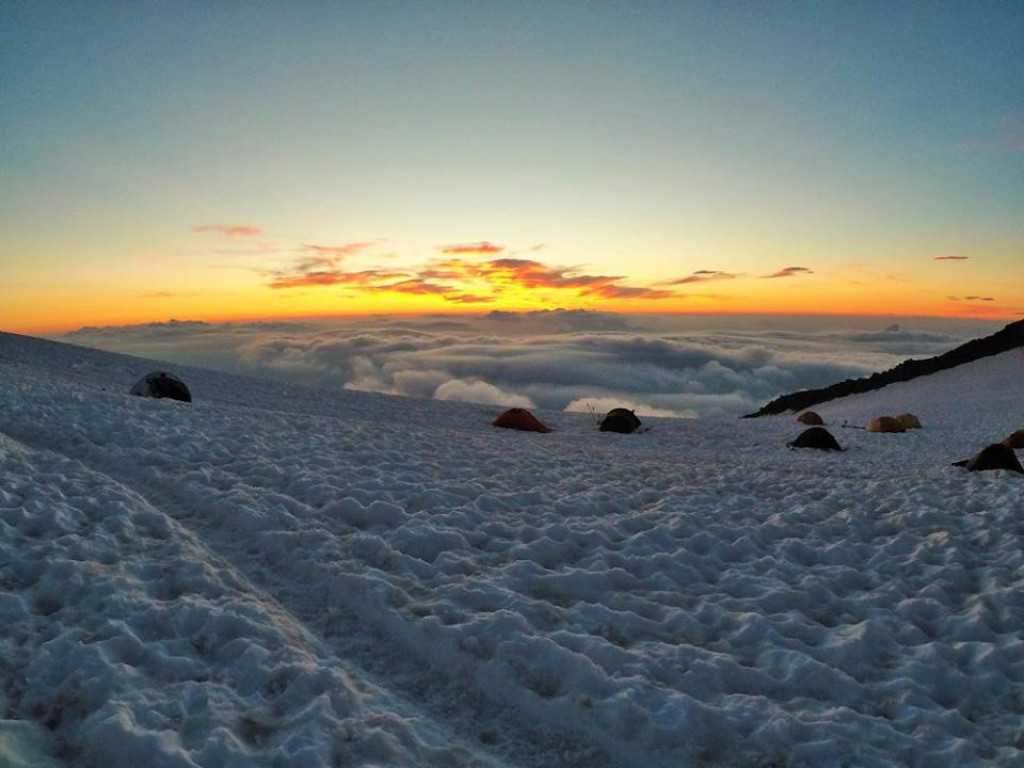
(1015, 440)
(521, 419)
(816, 437)
(885, 424)
(620, 420)
(995, 456)
(163, 385)
(908, 421)
(811, 418)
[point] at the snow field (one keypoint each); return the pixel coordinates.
(136, 647)
(697, 595)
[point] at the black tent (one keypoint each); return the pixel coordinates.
(816, 437)
(995, 456)
(620, 420)
(162, 384)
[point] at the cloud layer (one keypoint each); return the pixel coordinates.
(557, 360)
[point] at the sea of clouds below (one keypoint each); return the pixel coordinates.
(661, 365)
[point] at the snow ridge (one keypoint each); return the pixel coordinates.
(1009, 338)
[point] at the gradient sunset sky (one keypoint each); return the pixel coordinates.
(237, 160)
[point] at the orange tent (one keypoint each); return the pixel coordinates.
(1015, 441)
(908, 421)
(885, 424)
(521, 419)
(810, 417)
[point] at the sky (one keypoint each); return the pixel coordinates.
(270, 160)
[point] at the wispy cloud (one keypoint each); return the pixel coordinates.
(458, 279)
(703, 276)
(325, 257)
(367, 277)
(508, 272)
(484, 247)
(469, 298)
(789, 272)
(534, 274)
(228, 230)
(418, 287)
(335, 251)
(414, 286)
(950, 258)
(629, 292)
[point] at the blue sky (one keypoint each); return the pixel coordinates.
(641, 139)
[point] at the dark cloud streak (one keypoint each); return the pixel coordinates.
(789, 272)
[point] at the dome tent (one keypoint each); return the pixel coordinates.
(1015, 440)
(995, 456)
(521, 419)
(816, 437)
(161, 384)
(885, 424)
(810, 418)
(908, 421)
(620, 420)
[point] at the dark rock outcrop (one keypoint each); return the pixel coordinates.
(1010, 337)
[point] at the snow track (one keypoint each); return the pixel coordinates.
(357, 579)
(205, 648)
(333, 622)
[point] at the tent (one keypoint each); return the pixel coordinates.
(811, 418)
(885, 424)
(521, 419)
(816, 437)
(1015, 441)
(162, 384)
(620, 420)
(908, 421)
(995, 456)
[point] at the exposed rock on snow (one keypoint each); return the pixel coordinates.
(1009, 338)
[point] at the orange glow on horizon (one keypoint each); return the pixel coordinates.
(44, 323)
(353, 279)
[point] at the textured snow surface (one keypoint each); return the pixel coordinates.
(282, 576)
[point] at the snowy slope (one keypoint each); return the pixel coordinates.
(287, 576)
